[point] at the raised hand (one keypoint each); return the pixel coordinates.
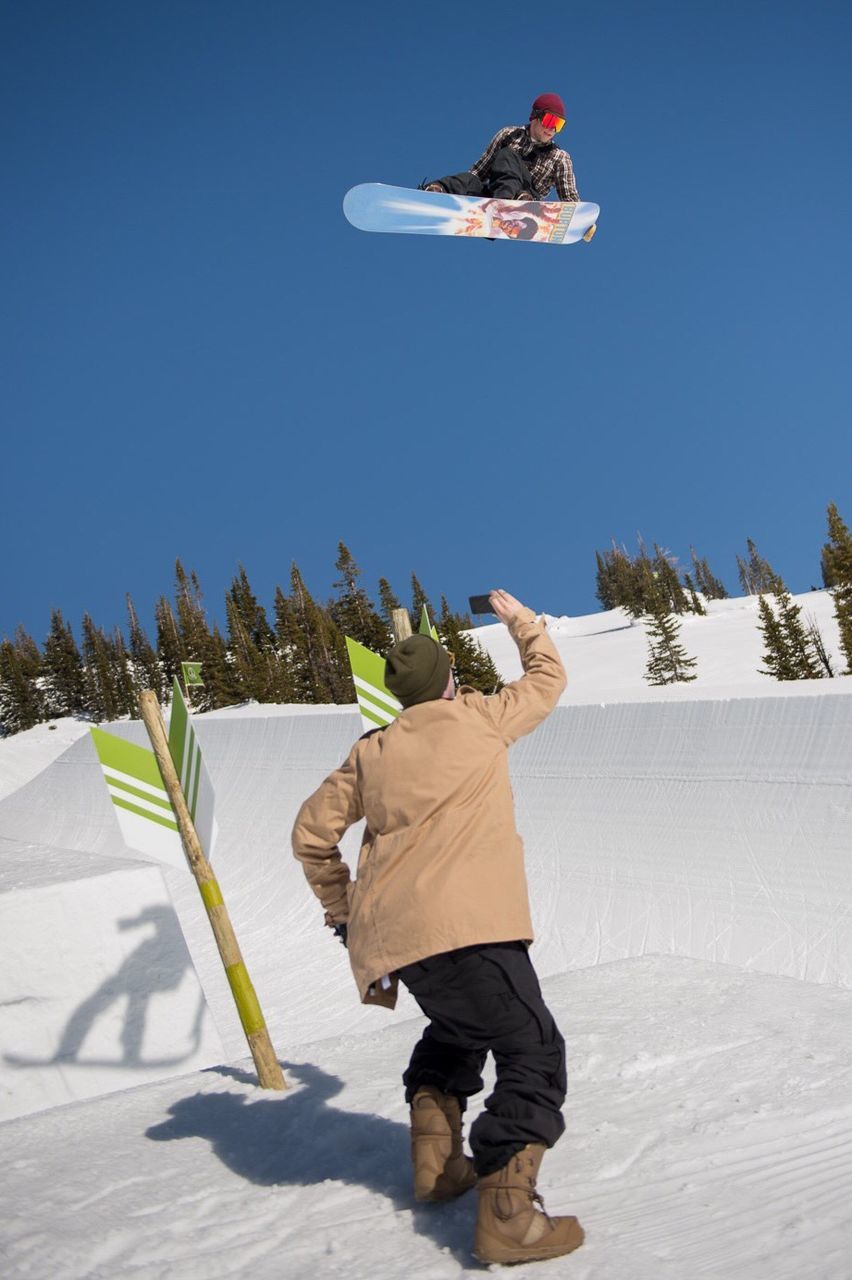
(504, 605)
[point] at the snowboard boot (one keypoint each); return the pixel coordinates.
(509, 1227)
(441, 1170)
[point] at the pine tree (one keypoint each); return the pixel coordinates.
(836, 552)
(103, 701)
(642, 596)
(744, 577)
(252, 645)
(221, 685)
(315, 646)
(28, 654)
(668, 662)
(805, 661)
(251, 613)
(605, 589)
(62, 670)
(711, 588)
(818, 648)
(419, 599)
(250, 669)
(289, 651)
(122, 676)
(757, 576)
(20, 698)
(667, 580)
(694, 598)
(473, 665)
(778, 660)
(353, 611)
(620, 577)
(170, 650)
(191, 616)
(147, 673)
(388, 600)
(839, 548)
(198, 644)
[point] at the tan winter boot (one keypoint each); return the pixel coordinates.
(441, 1170)
(509, 1227)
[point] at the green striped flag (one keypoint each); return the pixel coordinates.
(426, 628)
(135, 785)
(194, 778)
(142, 807)
(376, 703)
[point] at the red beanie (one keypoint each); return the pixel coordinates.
(548, 102)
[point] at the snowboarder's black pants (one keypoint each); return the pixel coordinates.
(506, 178)
(487, 999)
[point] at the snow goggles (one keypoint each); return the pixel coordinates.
(550, 121)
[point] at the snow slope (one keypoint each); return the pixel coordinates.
(605, 653)
(708, 1135)
(688, 856)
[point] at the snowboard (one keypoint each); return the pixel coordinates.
(372, 206)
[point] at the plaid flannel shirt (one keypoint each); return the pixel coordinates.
(548, 164)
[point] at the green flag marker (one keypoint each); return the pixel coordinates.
(136, 788)
(184, 748)
(376, 703)
(142, 806)
(426, 628)
(191, 674)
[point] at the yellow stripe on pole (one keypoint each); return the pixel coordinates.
(211, 893)
(247, 1003)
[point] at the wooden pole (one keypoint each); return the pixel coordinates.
(401, 623)
(269, 1073)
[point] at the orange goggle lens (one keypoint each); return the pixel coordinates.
(550, 121)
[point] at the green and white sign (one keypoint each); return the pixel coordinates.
(191, 674)
(136, 788)
(376, 703)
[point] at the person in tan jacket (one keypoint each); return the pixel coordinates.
(440, 903)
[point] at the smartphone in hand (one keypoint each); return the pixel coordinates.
(480, 604)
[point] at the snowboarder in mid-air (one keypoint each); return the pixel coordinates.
(521, 162)
(503, 196)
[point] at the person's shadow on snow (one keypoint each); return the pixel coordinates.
(157, 964)
(297, 1139)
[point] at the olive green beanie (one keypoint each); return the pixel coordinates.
(417, 670)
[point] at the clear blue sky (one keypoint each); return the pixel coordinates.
(201, 358)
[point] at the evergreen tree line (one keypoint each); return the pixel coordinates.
(641, 583)
(650, 587)
(296, 654)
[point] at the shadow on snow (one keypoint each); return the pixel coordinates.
(298, 1139)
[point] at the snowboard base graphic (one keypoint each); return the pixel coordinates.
(372, 206)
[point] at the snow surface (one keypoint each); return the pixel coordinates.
(688, 856)
(25, 754)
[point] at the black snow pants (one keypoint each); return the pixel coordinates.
(506, 178)
(485, 999)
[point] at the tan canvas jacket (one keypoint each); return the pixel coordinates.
(441, 864)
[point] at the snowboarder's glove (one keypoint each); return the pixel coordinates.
(340, 931)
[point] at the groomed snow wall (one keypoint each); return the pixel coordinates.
(714, 830)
